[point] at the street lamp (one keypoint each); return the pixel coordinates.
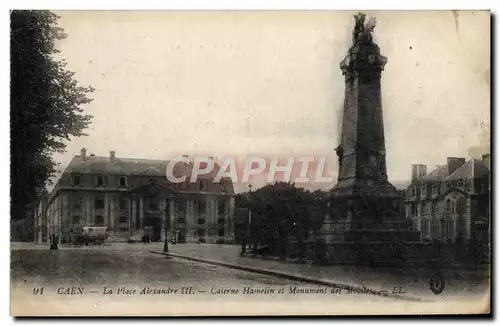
(167, 221)
(248, 223)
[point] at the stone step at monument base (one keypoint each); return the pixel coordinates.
(378, 252)
(370, 236)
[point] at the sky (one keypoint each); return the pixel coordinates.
(268, 84)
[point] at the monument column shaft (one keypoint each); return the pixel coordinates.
(362, 160)
(362, 138)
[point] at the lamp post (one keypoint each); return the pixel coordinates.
(167, 221)
(247, 224)
(250, 212)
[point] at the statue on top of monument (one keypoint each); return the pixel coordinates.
(362, 32)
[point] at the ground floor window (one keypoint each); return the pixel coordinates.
(201, 232)
(99, 220)
(425, 228)
(123, 229)
(222, 232)
(448, 229)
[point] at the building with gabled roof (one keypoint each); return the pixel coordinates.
(452, 201)
(128, 195)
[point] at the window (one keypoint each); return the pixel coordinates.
(76, 203)
(201, 206)
(448, 206)
(222, 232)
(413, 209)
(435, 229)
(423, 191)
(152, 181)
(99, 220)
(180, 206)
(76, 180)
(450, 229)
(222, 207)
(423, 208)
(423, 230)
(181, 220)
(221, 221)
(412, 191)
(448, 186)
(203, 185)
(123, 229)
(123, 219)
(201, 221)
(99, 203)
(435, 189)
(123, 182)
(461, 184)
(76, 219)
(201, 232)
(99, 181)
(153, 205)
(123, 204)
(461, 206)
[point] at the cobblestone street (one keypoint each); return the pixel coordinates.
(94, 269)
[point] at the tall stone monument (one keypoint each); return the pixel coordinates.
(365, 220)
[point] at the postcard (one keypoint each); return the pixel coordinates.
(250, 163)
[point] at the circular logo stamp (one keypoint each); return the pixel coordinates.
(437, 283)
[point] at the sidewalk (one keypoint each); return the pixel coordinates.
(413, 283)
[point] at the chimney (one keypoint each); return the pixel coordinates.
(454, 163)
(83, 153)
(486, 160)
(418, 171)
(112, 156)
(422, 171)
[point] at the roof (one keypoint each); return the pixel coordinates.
(130, 166)
(440, 173)
(471, 169)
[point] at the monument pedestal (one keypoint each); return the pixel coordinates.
(367, 227)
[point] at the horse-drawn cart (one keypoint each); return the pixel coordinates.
(89, 234)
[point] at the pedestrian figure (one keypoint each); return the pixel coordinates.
(54, 241)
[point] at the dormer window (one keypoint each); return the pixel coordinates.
(76, 180)
(123, 182)
(203, 185)
(99, 181)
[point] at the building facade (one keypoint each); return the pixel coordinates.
(127, 195)
(451, 202)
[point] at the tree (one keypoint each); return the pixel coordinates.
(45, 106)
(281, 210)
